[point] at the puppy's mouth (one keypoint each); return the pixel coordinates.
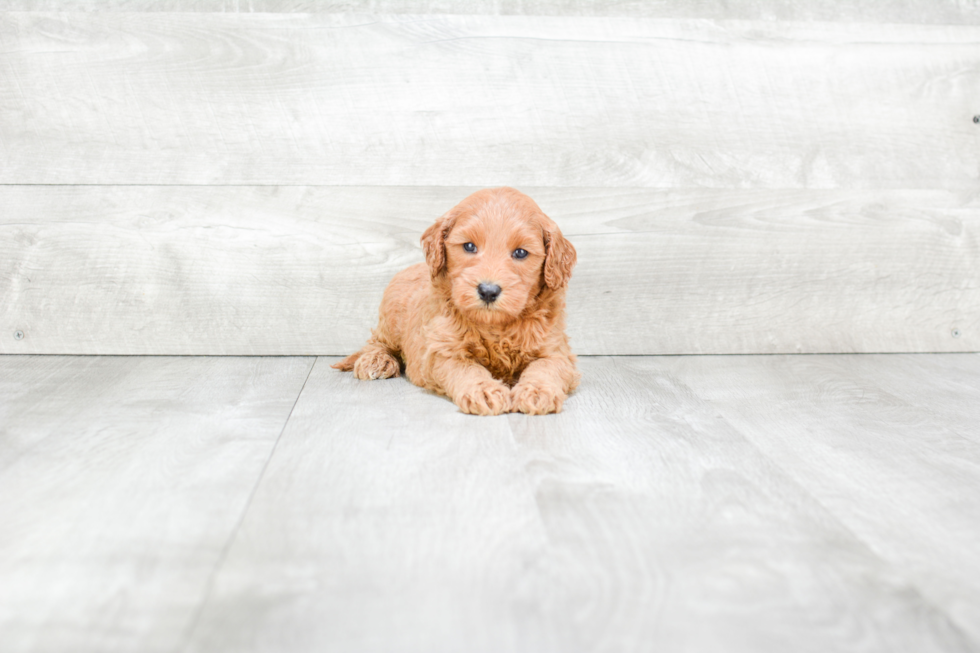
(488, 302)
(489, 313)
(492, 310)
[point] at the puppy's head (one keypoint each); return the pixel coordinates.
(497, 250)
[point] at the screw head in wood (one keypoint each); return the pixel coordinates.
(956, 333)
(18, 335)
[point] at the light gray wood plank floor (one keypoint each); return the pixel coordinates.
(121, 481)
(729, 503)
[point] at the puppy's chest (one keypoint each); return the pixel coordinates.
(504, 357)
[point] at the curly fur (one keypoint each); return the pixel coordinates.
(510, 355)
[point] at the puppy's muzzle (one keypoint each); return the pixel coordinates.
(488, 292)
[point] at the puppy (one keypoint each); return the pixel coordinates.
(482, 321)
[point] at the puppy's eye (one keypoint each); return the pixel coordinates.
(469, 247)
(519, 253)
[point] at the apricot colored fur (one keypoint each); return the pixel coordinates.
(510, 355)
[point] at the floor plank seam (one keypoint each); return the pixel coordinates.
(209, 586)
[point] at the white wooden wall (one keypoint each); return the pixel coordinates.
(773, 177)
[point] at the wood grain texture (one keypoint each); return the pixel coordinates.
(943, 388)
(888, 444)
(191, 98)
(121, 480)
(300, 270)
(638, 519)
(953, 12)
(411, 524)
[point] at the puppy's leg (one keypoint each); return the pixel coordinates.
(376, 362)
(378, 359)
(373, 361)
(544, 385)
(471, 386)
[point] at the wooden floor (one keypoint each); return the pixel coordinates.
(732, 503)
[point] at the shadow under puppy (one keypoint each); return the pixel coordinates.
(482, 321)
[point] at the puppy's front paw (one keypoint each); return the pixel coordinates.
(484, 398)
(534, 399)
(376, 364)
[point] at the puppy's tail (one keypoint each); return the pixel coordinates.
(347, 365)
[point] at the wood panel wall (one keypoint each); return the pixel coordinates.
(773, 178)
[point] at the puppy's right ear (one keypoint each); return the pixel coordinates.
(434, 243)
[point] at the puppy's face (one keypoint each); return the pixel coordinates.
(498, 250)
(494, 258)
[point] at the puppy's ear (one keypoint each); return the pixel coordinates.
(434, 242)
(559, 257)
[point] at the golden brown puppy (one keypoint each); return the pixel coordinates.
(483, 319)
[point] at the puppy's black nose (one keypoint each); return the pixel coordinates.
(488, 292)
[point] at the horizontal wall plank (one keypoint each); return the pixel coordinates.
(339, 99)
(300, 270)
(953, 12)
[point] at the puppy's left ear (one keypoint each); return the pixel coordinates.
(434, 242)
(559, 257)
